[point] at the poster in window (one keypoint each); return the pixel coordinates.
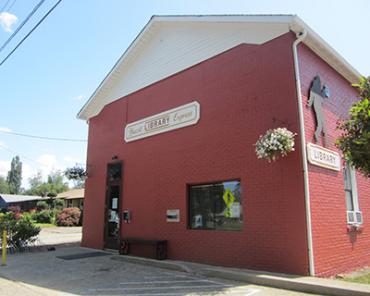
(114, 203)
(235, 210)
(198, 223)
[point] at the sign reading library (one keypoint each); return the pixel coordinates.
(323, 157)
(179, 117)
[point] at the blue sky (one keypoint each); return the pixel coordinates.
(47, 80)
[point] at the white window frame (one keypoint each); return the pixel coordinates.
(350, 185)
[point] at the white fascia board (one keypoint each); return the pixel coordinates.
(325, 51)
(283, 18)
(84, 108)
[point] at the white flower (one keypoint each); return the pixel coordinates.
(279, 140)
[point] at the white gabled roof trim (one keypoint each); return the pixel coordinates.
(270, 26)
(325, 51)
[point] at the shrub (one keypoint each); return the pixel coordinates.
(14, 209)
(27, 215)
(42, 205)
(21, 232)
(54, 214)
(58, 203)
(69, 217)
(44, 216)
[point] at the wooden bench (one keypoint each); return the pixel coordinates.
(160, 246)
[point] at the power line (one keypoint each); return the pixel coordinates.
(11, 5)
(43, 138)
(6, 4)
(30, 32)
(22, 24)
(16, 153)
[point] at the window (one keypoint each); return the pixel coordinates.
(216, 206)
(114, 172)
(354, 215)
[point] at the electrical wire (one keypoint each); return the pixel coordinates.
(30, 32)
(6, 4)
(11, 5)
(16, 153)
(43, 138)
(22, 24)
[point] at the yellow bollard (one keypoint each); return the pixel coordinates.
(4, 245)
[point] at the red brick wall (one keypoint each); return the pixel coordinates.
(335, 249)
(242, 93)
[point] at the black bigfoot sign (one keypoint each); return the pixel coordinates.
(317, 95)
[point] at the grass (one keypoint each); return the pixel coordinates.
(44, 225)
(362, 279)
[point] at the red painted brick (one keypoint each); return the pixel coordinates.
(242, 93)
(335, 249)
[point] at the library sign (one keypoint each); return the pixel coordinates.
(179, 117)
(323, 157)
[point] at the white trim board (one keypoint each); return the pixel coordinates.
(170, 44)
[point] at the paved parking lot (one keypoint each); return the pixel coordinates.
(79, 271)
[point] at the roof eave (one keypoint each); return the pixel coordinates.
(323, 49)
(81, 114)
(313, 41)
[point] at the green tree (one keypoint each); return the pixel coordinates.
(35, 182)
(55, 184)
(355, 138)
(4, 186)
(14, 178)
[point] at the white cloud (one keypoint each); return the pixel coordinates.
(71, 159)
(48, 161)
(4, 167)
(27, 173)
(5, 129)
(79, 98)
(7, 20)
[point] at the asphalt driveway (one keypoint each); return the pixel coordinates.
(81, 271)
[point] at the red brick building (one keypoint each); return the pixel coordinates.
(172, 130)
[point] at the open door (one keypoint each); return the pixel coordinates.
(112, 206)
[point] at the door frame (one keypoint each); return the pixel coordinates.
(108, 243)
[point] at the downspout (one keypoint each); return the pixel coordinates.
(300, 37)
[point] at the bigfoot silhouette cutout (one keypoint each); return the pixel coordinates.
(317, 95)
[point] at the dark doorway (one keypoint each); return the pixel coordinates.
(112, 206)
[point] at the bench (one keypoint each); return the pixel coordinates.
(160, 246)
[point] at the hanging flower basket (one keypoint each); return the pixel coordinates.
(275, 142)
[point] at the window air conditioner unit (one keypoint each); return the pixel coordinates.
(351, 218)
(354, 217)
(358, 217)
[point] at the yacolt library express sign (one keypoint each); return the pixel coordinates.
(179, 117)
